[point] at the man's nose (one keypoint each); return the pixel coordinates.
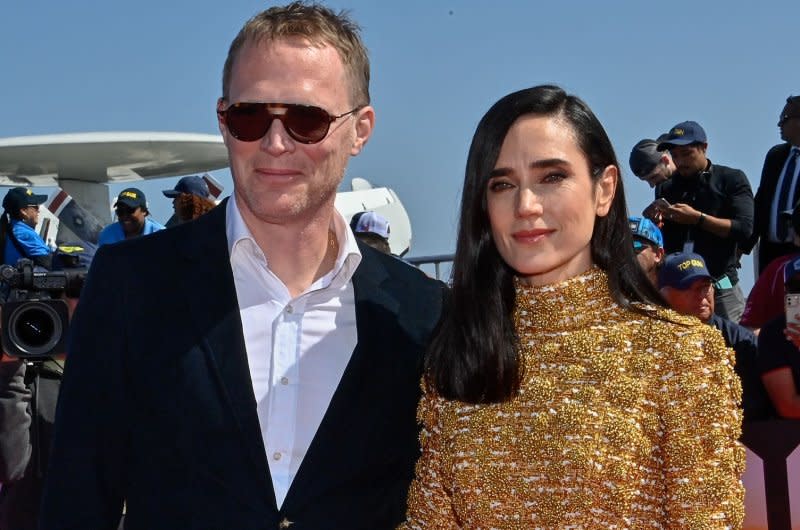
(277, 140)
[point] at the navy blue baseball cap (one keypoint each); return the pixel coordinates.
(684, 133)
(132, 198)
(19, 198)
(681, 269)
(192, 184)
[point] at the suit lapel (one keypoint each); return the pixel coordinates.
(211, 293)
(329, 455)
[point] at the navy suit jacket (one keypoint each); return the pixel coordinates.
(767, 187)
(157, 406)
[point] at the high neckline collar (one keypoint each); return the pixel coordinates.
(570, 304)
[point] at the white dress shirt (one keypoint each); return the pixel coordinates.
(297, 348)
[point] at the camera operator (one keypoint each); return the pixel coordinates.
(17, 229)
(28, 387)
(28, 397)
(34, 318)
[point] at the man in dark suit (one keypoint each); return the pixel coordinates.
(772, 241)
(256, 368)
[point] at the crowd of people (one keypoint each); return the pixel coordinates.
(266, 363)
(708, 212)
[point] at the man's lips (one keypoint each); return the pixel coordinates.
(531, 236)
(277, 172)
(280, 177)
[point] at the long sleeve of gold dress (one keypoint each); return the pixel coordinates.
(624, 419)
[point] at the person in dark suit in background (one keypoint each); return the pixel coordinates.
(778, 190)
(256, 368)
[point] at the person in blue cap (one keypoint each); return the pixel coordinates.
(132, 218)
(27, 396)
(688, 287)
(18, 229)
(190, 199)
(648, 244)
(710, 212)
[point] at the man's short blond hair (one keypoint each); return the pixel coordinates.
(320, 26)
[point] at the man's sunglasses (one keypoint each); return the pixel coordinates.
(639, 246)
(786, 117)
(249, 122)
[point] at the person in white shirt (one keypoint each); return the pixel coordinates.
(256, 368)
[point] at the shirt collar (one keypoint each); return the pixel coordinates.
(15, 222)
(347, 260)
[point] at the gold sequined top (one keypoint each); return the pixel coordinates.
(624, 419)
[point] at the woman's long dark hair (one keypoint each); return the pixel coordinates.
(5, 229)
(473, 355)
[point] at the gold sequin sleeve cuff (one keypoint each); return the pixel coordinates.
(429, 501)
(701, 423)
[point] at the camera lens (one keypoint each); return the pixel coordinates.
(35, 328)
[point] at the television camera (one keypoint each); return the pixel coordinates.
(35, 317)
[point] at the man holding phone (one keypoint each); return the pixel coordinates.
(710, 212)
(779, 358)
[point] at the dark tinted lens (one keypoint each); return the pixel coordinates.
(248, 122)
(306, 124)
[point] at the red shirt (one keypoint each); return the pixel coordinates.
(765, 301)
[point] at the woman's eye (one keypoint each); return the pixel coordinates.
(554, 177)
(499, 185)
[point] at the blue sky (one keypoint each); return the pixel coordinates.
(151, 65)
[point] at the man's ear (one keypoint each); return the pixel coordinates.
(365, 122)
(221, 121)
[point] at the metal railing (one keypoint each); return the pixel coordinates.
(436, 260)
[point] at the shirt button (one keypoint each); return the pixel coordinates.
(289, 309)
(284, 380)
(276, 456)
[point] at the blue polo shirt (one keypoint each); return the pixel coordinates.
(114, 233)
(30, 241)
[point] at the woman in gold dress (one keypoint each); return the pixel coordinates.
(559, 392)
